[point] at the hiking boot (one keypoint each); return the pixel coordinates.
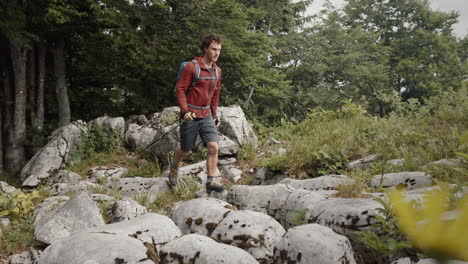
(173, 175)
(213, 186)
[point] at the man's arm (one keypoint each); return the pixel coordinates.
(183, 84)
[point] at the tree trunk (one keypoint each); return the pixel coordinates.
(61, 84)
(38, 121)
(6, 106)
(31, 84)
(14, 154)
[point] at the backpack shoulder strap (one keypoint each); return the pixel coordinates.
(196, 77)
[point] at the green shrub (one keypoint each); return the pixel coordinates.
(19, 205)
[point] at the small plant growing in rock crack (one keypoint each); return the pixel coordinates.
(299, 218)
(387, 238)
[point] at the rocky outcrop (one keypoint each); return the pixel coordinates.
(79, 213)
(196, 248)
(114, 126)
(313, 244)
(124, 209)
(200, 216)
(59, 151)
(326, 182)
(411, 180)
(255, 232)
(235, 126)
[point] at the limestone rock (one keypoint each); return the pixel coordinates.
(403, 261)
(412, 180)
(313, 243)
(196, 170)
(196, 248)
(235, 126)
(345, 215)
(255, 232)
(58, 189)
(48, 205)
(444, 162)
(168, 138)
(227, 147)
(111, 125)
(361, 164)
(268, 199)
(326, 182)
(125, 209)
(6, 189)
(151, 228)
(26, 257)
(138, 137)
(128, 187)
(102, 248)
(263, 177)
(200, 215)
(54, 155)
(79, 213)
(65, 176)
(234, 174)
(106, 172)
(299, 205)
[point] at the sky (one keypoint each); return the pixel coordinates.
(461, 6)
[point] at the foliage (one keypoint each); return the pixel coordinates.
(299, 218)
(185, 190)
(387, 240)
(20, 204)
(429, 228)
(18, 236)
(246, 154)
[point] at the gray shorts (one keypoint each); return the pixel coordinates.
(203, 126)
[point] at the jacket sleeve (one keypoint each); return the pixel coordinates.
(183, 84)
(215, 98)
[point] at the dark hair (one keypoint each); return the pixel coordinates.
(207, 40)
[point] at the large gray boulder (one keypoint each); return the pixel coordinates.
(200, 215)
(129, 187)
(255, 232)
(345, 215)
(235, 126)
(124, 209)
(151, 228)
(168, 138)
(227, 147)
(65, 176)
(105, 173)
(79, 213)
(196, 248)
(6, 189)
(313, 244)
(412, 180)
(26, 257)
(97, 248)
(58, 152)
(268, 199)
(114, 126)
(326, 182)
(48, 205)
(299, 205)
(138, 137)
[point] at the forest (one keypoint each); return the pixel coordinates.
(64, 60)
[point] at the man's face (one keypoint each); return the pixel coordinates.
(213, 51)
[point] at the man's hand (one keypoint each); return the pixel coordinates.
(189, 116)
(217, 121)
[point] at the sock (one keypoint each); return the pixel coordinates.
(209, 179)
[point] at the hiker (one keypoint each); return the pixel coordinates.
(198, 98)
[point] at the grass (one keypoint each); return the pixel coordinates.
(163, 204)
(120, 158)
(18, 237)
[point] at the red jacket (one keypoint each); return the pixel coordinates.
(203, 93)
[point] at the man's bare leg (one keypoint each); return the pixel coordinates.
(211, 165)
(179, 155)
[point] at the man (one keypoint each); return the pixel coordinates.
(198, 104)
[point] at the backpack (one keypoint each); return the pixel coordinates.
(196, 77)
